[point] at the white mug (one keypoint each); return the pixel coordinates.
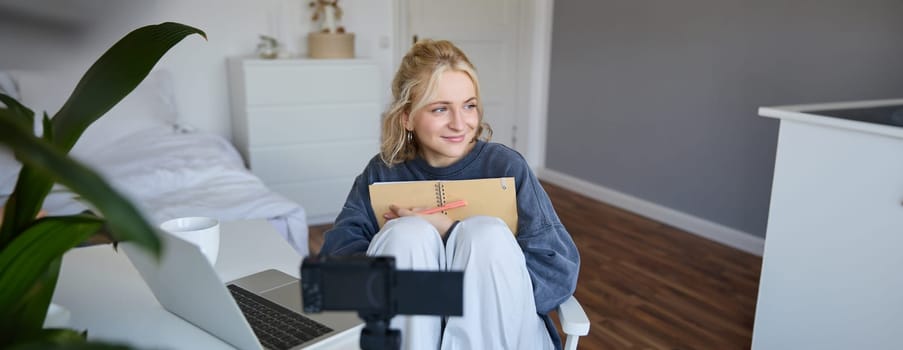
(199, 230)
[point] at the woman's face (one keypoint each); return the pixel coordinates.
(447, 124)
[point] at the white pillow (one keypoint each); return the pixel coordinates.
(150, 105)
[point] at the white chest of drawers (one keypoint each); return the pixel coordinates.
(306, 127)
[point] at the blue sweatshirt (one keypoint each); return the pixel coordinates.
(551, 256)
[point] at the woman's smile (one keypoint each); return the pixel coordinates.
(454, 139)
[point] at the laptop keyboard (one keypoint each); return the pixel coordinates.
(276, 327)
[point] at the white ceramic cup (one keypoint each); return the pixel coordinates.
(199, 230)
(57, 317)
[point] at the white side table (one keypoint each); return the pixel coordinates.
(831, 268)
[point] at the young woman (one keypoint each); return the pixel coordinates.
(434, 131)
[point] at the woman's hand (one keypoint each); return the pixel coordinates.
(440, 221)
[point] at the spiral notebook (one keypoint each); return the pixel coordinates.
(492, 197)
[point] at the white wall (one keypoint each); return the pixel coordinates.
(199, 67)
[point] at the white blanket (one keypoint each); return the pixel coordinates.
(170, 174)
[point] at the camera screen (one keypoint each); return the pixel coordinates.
(352, 288)
(348, 283)
(372, 286)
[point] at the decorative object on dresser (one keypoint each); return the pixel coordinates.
(268, 48)
(331, 40)
(305, 127)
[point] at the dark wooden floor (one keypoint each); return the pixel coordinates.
(646, 285)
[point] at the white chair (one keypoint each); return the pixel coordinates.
(574, 322)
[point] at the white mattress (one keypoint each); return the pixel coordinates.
(169, 173)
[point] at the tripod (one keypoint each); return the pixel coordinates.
(377, 335)
(371, 286)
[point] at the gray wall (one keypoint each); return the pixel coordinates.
(657, 99)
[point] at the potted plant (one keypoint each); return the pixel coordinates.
(31, 249)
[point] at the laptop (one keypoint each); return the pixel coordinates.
(259, 311)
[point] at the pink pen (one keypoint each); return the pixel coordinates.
(447, 206)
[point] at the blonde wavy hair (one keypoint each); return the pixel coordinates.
(414, 86)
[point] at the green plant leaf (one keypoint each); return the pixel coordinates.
(28, 271)
(65, 339)
(30, 185)
(31, 309)
(125, 221)
(48, 128)
(30, 251)
(54, 337)
(113, 76)
(24, 115)
(70, 346)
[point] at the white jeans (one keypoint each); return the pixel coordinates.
(499, 310)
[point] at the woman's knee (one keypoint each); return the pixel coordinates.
(484, 231)
(485, 246)
(409, 228)
(404, 235)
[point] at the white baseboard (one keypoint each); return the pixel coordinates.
(692, 224)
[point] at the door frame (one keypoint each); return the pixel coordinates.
(534, 41)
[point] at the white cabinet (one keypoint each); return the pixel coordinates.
(306, 127)
(832, 269)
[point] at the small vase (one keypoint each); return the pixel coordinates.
(330, 45)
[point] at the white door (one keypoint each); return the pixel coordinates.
(486, 30)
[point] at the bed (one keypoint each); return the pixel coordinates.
(167, 168)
